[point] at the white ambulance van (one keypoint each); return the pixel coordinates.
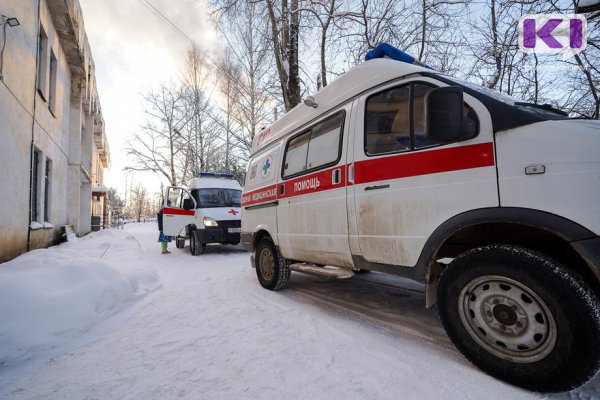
(394, 166)
(206, 211)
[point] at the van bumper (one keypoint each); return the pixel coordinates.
(218, 235)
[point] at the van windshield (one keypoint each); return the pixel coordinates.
(213, 197)
(543, 110)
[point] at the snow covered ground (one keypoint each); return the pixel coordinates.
(109, 317)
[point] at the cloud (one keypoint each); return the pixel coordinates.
(135, 49)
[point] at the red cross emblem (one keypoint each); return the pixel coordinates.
(232, 211)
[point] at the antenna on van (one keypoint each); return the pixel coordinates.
(310, 101)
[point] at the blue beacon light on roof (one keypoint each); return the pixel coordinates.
(386, 50)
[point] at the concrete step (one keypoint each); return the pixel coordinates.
(325, 272)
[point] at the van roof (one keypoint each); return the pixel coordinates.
(364, 76)
(209, 183)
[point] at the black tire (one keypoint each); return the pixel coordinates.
(180, 242)
(521, 317)
(272, 270)
(196, 246)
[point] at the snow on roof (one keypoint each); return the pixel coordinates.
(208, 183)
(99, 189)
(363, 77)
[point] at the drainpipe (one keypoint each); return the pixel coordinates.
(31, 148)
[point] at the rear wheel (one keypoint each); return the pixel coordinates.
(272, 270)
(196, 246)
(521, 317)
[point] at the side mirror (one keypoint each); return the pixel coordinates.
(188, 204)
(444, 121)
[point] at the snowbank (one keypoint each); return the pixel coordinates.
(52, 295)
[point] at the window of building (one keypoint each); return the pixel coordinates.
(52, 83)
(42, 78)
(47, 189)
(315, 148)
(395, 119)
(35, 185)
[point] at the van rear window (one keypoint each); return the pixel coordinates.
(315, 148)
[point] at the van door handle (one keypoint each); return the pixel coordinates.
(351, 173)
(336, 177)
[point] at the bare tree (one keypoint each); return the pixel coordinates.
(139, 202)
(202, 131)
(245, 73)
(284, 21)
(371, 22)
(160, 146)
(116, 204)
(324, 12)
(584, 77)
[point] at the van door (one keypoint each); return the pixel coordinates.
(312, 218)
(405, 185)
(178, 211)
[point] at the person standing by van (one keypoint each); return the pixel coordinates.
(162, 238)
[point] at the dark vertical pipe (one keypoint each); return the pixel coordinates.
(31, 148)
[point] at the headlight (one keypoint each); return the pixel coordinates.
(210, 222)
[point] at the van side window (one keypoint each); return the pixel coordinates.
(315, 148)
(295, 156)
(387, 120)
(324, 142)
(419, 92)
(395, 119)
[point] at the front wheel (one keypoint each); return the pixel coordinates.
(272, 270)
(521, 317)
(196, 245)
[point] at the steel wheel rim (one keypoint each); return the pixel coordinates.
(267, 264)
(507, 319)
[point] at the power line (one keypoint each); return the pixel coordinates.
(154, 10)
(151, 7)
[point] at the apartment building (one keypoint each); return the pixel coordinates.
(53, 147)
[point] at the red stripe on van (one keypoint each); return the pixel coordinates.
(315, 182)
(268, 193)
(177, 211)
(424, 163)
(378, 169)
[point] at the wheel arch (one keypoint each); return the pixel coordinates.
(544, 232)
(261, 233)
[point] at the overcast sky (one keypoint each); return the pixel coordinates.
(134, 49)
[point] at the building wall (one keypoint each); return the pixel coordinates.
(60, 131)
